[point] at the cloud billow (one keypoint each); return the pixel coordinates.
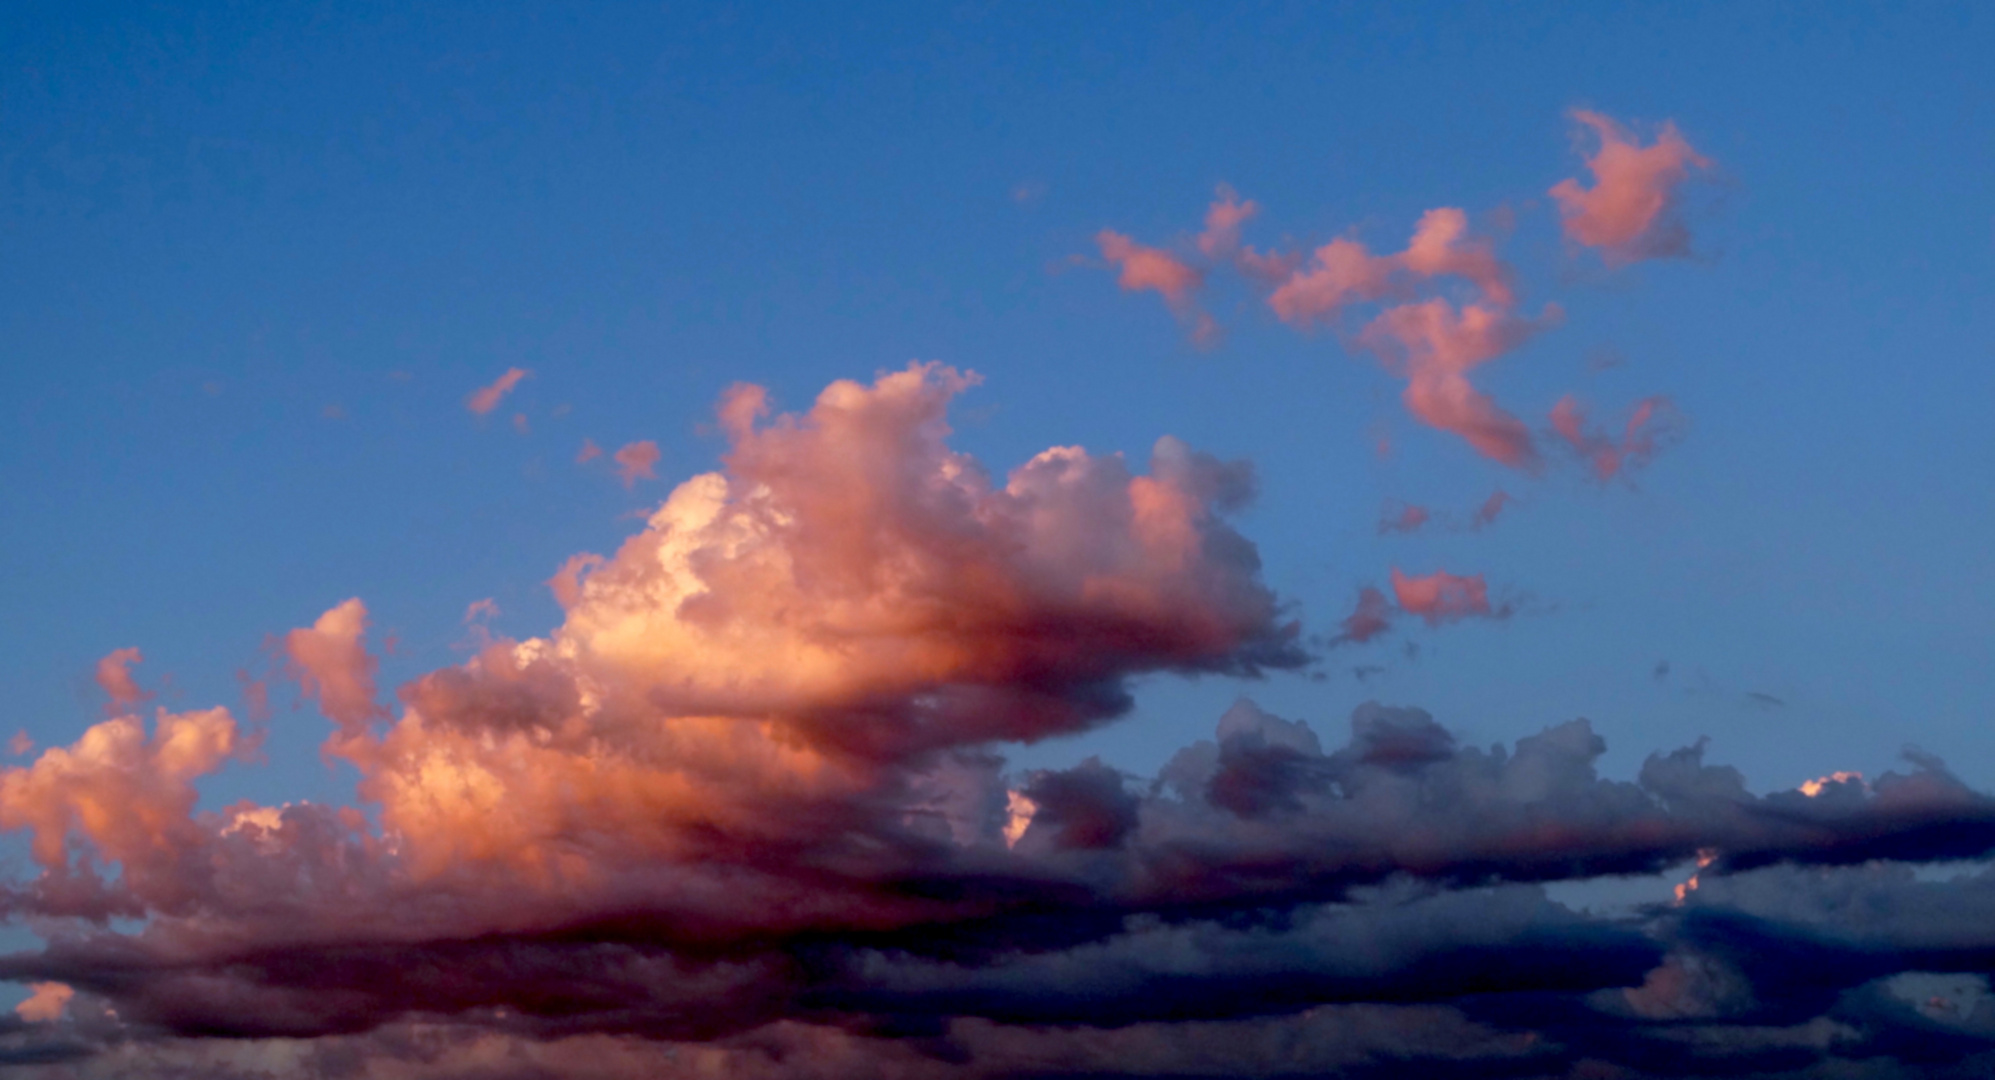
(743, 812)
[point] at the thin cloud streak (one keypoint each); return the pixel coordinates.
(486, 398)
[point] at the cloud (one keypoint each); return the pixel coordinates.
(743, 812)
(331, 663)
(1142, 268)
(1432, 339)
(45, 1003)
(129, 796)
(1425, 329)
(1631, 211)
(1265, 901)
(1371, 617)
(635, 460)
(1652, 426)
(1221, 238)
(486, 398)
(1441, 597)
(1343, 271)
(114, 677)
(1434, 345)
(589, 452)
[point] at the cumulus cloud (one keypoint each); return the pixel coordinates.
(1376, 855)
(1630, 213)
(486, 398)
(743, 811)
(332, 665)
(1369, 908)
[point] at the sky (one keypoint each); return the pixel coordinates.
(986, 540)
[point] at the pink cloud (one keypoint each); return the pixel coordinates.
(635, 461)
(1407, 518)
(1343, 271)
(520, 424)
(332, 665)
(1441, 597)
(1156, 270)
(740, 407)
(1630, 213)
(1371, 617)
(485, 399)
(589, 452)
(1653, 425)
(1435, 345)
(114, 676)
(1340, 273)
(1221, 238)
(566, 584)
(1442, 247)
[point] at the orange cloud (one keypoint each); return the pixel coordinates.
(332, 665)
(635, 461)
(485, 399)
(1653, 425)
(46, 1003)
(1441, 597)
(130, 796)
(849, 594)
(114, 675)
(1630, 213)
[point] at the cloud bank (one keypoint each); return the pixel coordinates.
(744, 812)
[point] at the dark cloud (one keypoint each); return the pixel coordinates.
(1260, 880)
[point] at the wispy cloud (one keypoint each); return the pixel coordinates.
(486, 398)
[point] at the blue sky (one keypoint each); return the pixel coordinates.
(222, 225)
(252, 262)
